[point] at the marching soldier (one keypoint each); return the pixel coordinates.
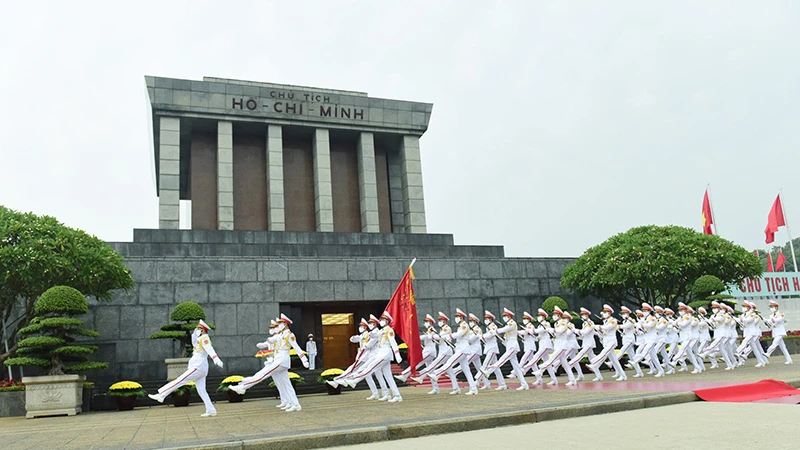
(490, 350)
(382, 359)
(445, 352)
(561, 330)
(509, 332)
(704, 337)
(196, 371)
(684, 325)
(721, 336)
(628, 329)
(474, 359)
(284, 340)
(428, 341)
(365, 350)
(461, 353)
(650, 340)
(751, 334)
(528, 335)
(672, 336)
(609, 332)
(543, 332)
(587, 334)
(777, 321)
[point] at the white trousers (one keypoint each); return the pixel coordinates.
(382, 368)
(557, 357)
(461, 358)
(489, 360)
(607, 353)
(649, 351)
(196, 374)
(510, 356)
(778, 342)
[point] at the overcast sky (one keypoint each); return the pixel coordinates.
(555, 124)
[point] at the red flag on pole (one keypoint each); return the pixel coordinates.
(708, 218)
(781, 260)
(403, 308)
(769, 262)
(774, 220)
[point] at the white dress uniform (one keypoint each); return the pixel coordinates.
(528, 335)
(444, 353)
(777, 321)
(428, 342)
(608, 331)
(196, 371)
(284, 341)
(721, 334)
(686, 324)
(586, 335)
(751, 335)
(649, 327)
(365, 351)
(460, 355)
(703, 336)
(509, 333)
(543, 331)
(382, 359)
(628, 329)
(475, 350)
(490, 351)
(311, 350)
(673, 336)
(561, 345)
(661, 341)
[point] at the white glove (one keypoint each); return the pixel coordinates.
(262, 345)
(218, 362)
(398, 358)
(305, 362)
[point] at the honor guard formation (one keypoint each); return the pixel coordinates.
(651, 336)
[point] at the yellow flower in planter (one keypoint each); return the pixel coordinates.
(122, 385)
(329, 374)
(294, 376)
(233, 379)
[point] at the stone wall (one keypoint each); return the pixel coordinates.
(240, 294)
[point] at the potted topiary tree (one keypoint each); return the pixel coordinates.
(182, 395)
(125, 393)
(187, 314)
(51, 345)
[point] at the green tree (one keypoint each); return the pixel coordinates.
(656, 264)
(550, 304)
(187, 314)
(52, 335)
(37, 253)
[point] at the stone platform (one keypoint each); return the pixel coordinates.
(349, 419)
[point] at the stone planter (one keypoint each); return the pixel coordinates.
(181, 399)
(54, 395)
(125, 403)
(175, 367)
(234, 397)
(333, 390)
(12, 404)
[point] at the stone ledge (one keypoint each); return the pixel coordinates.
(302, 442)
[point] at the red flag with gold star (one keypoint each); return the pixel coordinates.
(403, 308)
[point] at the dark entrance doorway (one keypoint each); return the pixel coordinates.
(332, 324)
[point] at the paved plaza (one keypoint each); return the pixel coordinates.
(349, 419)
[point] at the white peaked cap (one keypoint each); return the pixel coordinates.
(508, 312)
(285, 319)
(203, 325)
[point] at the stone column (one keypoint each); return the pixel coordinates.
(169, 170)
(367, 184)
(275, 213)
(413, 197)
(224, 175)
(323, 197)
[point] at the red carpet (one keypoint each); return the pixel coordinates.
(751, 392)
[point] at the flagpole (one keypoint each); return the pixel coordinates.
(711, 207)
(788, 230)
(412, 263)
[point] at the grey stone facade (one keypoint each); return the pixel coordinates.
(242, 292)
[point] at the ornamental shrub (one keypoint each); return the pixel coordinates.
(706, 286)
(550, 304)
(188, 314)
(52, 344)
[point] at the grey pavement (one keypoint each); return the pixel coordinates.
(696, 425)
(350, 419)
